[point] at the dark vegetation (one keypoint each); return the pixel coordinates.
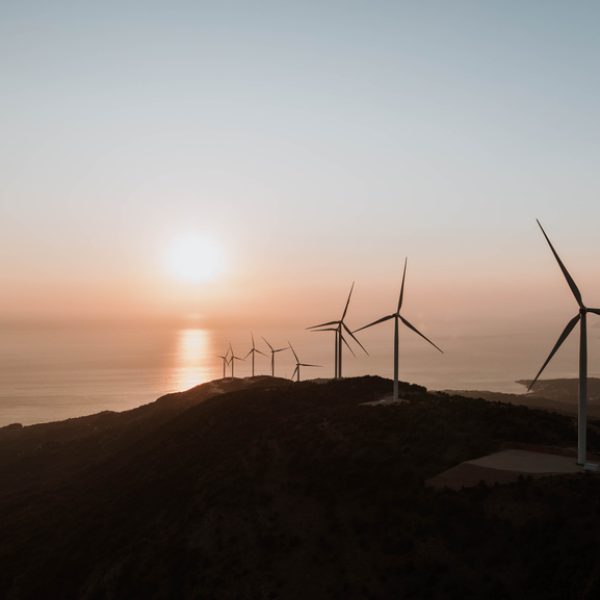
(279, 490)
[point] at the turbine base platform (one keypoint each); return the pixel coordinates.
(507, 466)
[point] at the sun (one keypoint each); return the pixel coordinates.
(194, 258)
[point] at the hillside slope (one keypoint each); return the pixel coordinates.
(297, 491)
(560, 395)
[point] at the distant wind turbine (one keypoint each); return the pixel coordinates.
(254, 350)
(232, 360)
(225, 359)
(398, 317)
(580, 318)
(273, 352)
(339, 327)
(299, 364)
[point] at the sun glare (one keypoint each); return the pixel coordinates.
(192, 359)
(194, 259)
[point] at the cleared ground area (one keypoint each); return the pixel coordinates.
(504, 467)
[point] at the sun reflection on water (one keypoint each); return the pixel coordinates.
(193, 359)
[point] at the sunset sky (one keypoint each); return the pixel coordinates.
(310, 143)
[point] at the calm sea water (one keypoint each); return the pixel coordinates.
(56, 372)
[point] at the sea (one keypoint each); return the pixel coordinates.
(57, 371)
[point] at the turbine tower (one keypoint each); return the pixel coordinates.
(299, 364)
(254, 350)
(232, 359)
(339, 327)
(398, 317)
(580, 318)
(273, 352)
(225, 359)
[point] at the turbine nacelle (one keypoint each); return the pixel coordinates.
(339, 327)
(254, 349)
(299, 364)
(398, 317)
(274, 351)
(397, 314)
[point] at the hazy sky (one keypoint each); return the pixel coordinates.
(317, 142)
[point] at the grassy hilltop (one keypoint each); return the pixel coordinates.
(269, 489)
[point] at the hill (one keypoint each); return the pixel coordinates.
(268, 489)
(559, 395)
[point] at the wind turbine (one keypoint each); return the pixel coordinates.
(580, 318)
(225, 359)
(232, 359)
(273, 352)
(299, 364)
(339, 327)
(398, 317)
(254, 350)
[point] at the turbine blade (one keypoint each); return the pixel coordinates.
(252, 336)
(259, 352)
(563, 336)
(307, 365)
(347, 302)
(324, 329)
(402, 286)
(374, 323)
(348, 345)
(354, 338)
(566, 273)
(281, 349)
(596, 311)
(267, 343)
(249, 353)
(294, 373)
(323, 324)
(418, 332)
(293, 351)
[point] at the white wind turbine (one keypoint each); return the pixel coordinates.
(232, 360)
(580, 318)
(398, 317)
(254, 350)
(273, 352)
(225, 359)
(299, 364)
(339, 327)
